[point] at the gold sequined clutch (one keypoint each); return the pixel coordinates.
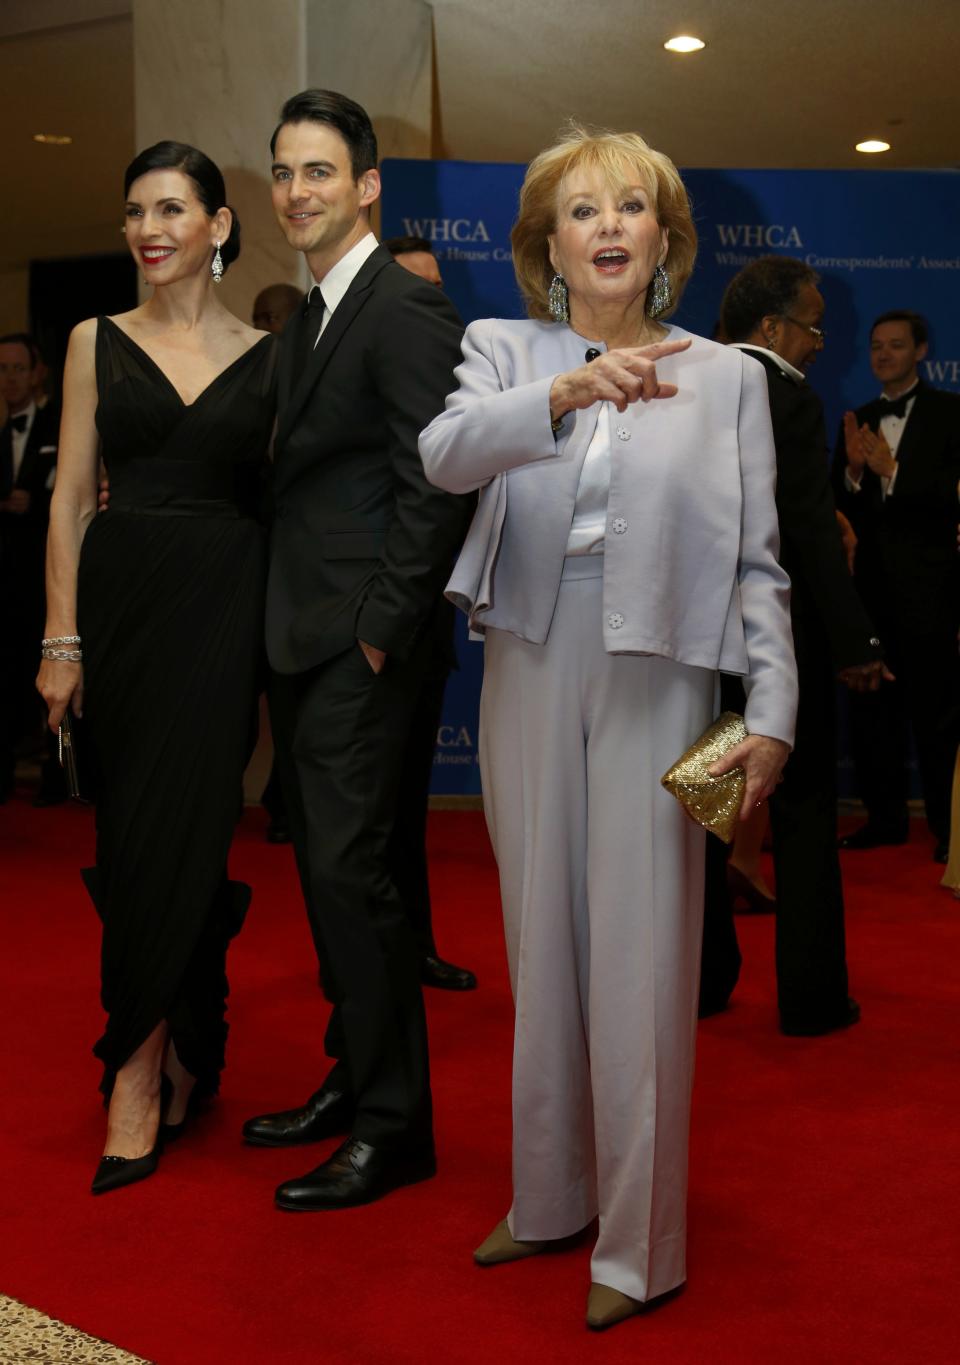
(713, 802)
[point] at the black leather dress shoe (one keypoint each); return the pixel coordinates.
(816, 1028)
(278, 833)
(941, 854)
(327, 1113)
(356, 1174)
(872, 836)
(445, 976)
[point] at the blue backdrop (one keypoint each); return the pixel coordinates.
(880, 240)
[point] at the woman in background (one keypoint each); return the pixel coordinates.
(154, 626)
(624, 549)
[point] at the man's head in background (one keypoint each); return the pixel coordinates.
(19, 370)
(274, 305)
(416, 255)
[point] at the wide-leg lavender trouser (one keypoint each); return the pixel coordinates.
(601, 877)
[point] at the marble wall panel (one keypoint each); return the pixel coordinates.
(380, 54)
(215, 74)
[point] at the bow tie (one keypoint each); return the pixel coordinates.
(895, 407)
(19, 423)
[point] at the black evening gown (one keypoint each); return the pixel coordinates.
(170, 610)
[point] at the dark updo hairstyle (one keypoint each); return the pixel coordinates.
(207, 181)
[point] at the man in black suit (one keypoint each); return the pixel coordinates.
(361, 549)
(896, 476)
(773, 310)
(28, 455)
(272, 309)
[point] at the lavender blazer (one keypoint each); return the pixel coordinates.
(690, 565)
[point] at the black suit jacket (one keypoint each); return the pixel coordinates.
(907, 566)
(824, 602)
(23, 536)
(362, 545)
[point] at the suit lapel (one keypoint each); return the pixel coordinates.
(293, 399)
(912, 435)
(31, 454)
(6, 461)
(290, 343)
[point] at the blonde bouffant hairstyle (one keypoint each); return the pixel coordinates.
(624, 159)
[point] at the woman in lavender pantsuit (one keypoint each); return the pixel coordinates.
(624, 551)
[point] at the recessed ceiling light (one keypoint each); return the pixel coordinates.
(873, 145)
(55, 139)
(684, 43)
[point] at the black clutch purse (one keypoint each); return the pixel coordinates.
(713, 802)
(68, 755)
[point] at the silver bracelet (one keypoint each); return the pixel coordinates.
(61, 640)
(71, 656)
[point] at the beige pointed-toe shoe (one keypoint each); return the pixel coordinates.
(500, 1247)
(606, 1307)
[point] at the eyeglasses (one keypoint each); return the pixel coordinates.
(817, 333)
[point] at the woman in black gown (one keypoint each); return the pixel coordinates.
(165, 592)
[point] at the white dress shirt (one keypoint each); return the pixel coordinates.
(891, 429)
(339, 278)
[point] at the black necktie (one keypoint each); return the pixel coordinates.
(895, 407)
(19, 423)
(312, 318)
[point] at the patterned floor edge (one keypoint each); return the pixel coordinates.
(29, 1337)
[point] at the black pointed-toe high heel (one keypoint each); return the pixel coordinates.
(169, 1132)
(114, 1172)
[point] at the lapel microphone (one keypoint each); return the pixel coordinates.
(592, 354)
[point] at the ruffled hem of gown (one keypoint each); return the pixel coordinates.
(196, 1052)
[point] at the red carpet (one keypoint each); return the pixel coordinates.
(825, 1173)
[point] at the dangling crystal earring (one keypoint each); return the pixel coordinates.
(660, 298)
(558, 298)
(216, 265)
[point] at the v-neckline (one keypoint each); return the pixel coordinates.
(166, 378)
